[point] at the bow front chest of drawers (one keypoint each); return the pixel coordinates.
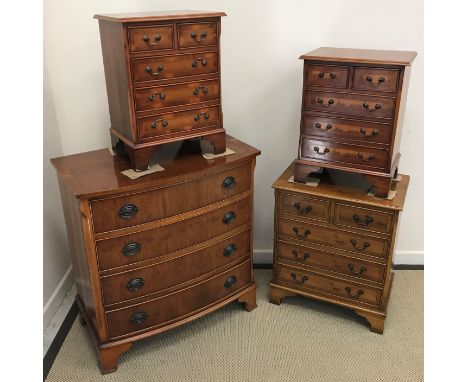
(334, 243)
(163, 80)
(156, 252)
(352, 113)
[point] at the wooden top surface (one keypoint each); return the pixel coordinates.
(97, 173)
(344, 186)
(157, 16)
(365, 56)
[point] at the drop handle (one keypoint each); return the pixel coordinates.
(301, 235)
(230, 282)
(330, 101)
(131, 249)
(229, 183)
(361, 247)
(135, 284)
(326, 127)
(229, 217)
(164, 123)
(199, 89)
(147, 39)
(159, 69)
(194, 35)
(229, 250)
(366, 106)
(324, 151)
(302, 210)
(357, 219)
(365, 133)
(358, 294)
(373, 81)
(128, 211)
(331, 75)
(199, 59)
(360, 272)
(152, 97)
(369, 158)
(304, 257)
(138, 318)
(197, 116)
(299, 279)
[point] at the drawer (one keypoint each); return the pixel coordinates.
(351, 104)
(167, 67)
(331, 262)
(305, 207)
(177, 121)
(328, 285)
(327, 76)
(173, 95)
(375, 79)
(192, 35)
(115, 213)
(155, 278)
(363, 218)
(347, 241)
(151, 38)
(173, 307)
(344, 153)
(339, 128)
(144, 245)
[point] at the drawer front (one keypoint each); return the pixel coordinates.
(335, 238)
(375, 79)
(328, 285)
(178, 121)
(173, 95)
(165, 202)
(351, 104)
(192, 35)
(144, 245)
(327, 76)
(151, 38)
(177, 305)
(363, 218)
(305, 207)
(167, 67)
(337, 128)
(344, 153)
(331, 262)
(144, 281)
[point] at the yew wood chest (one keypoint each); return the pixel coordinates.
(353, 105)
(163, 81)
(156, 252)
(335, 243)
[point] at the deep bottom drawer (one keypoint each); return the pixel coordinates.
(175, 306)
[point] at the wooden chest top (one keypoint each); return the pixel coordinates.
(157, 16)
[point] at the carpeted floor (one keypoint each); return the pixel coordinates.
(301, 340)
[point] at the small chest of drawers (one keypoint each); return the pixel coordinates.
(334, 243)
(163, 80)
(153, 253)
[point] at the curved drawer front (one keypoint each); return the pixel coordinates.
(336, 238)
(363, 218)
(331, 262)
(337, 128)
(305, 207)
(329, 285)
(158, 97)
(167, 67)
(179, 121)
(193, 35)
(327, 75)
(155, 278)
(344, 153)
(156, 37)
(176, 306)
(144, 245)
(375, 79)
(165, 202)
(351, 104)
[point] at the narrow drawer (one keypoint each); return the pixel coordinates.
(167, 67)
(347, 129)
(173, 95)
(134, 209)
(305, 207)
(192, 35)
(155, 278)
(327, 76)
(331, 262)
(178, 121)
(144, 245)
(375, 79)
(173, 307)
(151, 38)
(335, 238)
(344, 153)
(350, 104)
(363, 218)
(328, 285)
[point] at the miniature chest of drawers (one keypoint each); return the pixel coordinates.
(334, 243)
(352, 113)
(163, 80)
(156, 252)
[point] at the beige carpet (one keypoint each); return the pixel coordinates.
(301, 340)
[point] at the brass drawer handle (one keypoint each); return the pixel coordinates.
(229, 183)
(368, 159)
(360, 272)
(301, 235)
(361, 247)
(302, 279)
(197, 116)
(157, 38)
(364, 132)
(330, 101)
(305, 255)
(164, 123)
(197, 90)
(202, 60)
(230, 282)
(194, 35)
(152, 97)
(135, 284)
(328, 126)
(149, 70)
(357, 295)
(302, 210)
(331, 74)
(229, 217)
(229, 250)
(371, 80)
(325, 150)
(138, 318)
(131, 249)
(128, 211)
(377, 106)
(366, 222)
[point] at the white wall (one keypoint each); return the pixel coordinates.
(261, 79)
